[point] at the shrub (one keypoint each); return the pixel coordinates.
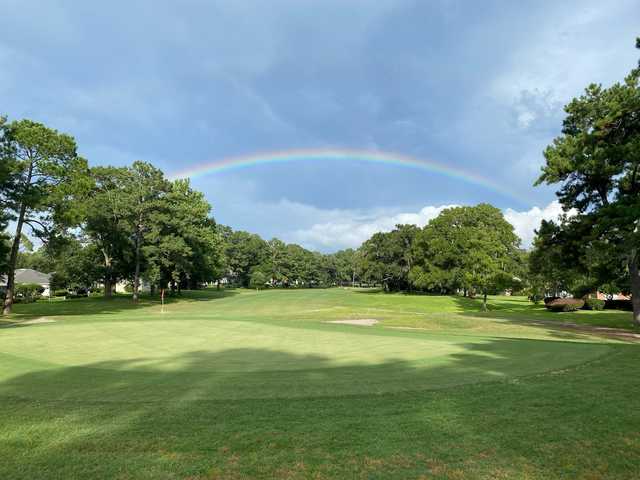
(593, 304)
(618, 305)
(60, 292)
(548, 300)
(565, 304)
(28, 292)
(535, 298)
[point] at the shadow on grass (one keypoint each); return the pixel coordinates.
(527, 313)
(100, 305)
(230, 414)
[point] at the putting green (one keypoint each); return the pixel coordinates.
(186, 359)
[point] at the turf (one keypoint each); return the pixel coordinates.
(244, 384)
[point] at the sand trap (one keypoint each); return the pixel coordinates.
(364, 322)
(35, 321)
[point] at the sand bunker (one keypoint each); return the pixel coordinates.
(35, 321)
(365, 322)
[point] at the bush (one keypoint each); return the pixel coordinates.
(618, 305)
(548, 300)
(60, 292)
(565, 304)
(535, 298)
(28, 292)
(593, 304)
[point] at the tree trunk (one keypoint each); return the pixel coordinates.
(15, 248)
(634, 270)
(13, 258)
(108, 285)
(136, 277)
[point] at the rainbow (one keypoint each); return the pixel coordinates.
(341, 154)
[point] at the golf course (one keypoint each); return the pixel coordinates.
(316, 383)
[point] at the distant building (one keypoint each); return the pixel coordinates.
(615, 296)
(126, 287)
(27, 275)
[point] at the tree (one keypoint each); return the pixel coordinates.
(387, 258)
(469, 248)
(144, 193)
(7, 169)
(258, 280)
(242, 253)
(183, 244)
(45, 174)
(346, 266)
(104, 223)
(553, 269)
(596, 161)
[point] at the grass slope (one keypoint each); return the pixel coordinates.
(240, 384)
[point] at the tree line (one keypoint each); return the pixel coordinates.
(102, 225)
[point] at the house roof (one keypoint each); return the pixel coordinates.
(27, 275)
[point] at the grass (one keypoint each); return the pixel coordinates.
(244, 384)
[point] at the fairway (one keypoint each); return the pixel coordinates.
(88, 379)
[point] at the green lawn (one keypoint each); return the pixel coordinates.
(243, 384)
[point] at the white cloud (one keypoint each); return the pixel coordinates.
(525, 223)
(348, 228)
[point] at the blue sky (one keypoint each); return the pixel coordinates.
(476, 85)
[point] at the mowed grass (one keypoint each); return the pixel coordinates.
(244, 384)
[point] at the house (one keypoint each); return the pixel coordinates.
(126, 286)
(27, 275)
(615, 296)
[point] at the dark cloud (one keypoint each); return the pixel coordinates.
(477, 85)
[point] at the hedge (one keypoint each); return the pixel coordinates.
(618, 305)
(565, 304)
(593, 304)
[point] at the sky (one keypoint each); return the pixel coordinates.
(478, 87)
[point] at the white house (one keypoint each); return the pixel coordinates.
(27, 275)
(122, 286)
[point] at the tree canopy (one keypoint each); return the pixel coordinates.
(596, 162)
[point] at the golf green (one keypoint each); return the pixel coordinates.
(184, 358)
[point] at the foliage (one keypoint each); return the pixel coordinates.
(28, 292)
(242, 253)
(183, 246)
(596, 161)
(618, 305)
(551, 268)
(387, 258)
(104, 225)
(565, 304)
(593, 304)
(45, 176)
(466, 248)
(258, 280)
